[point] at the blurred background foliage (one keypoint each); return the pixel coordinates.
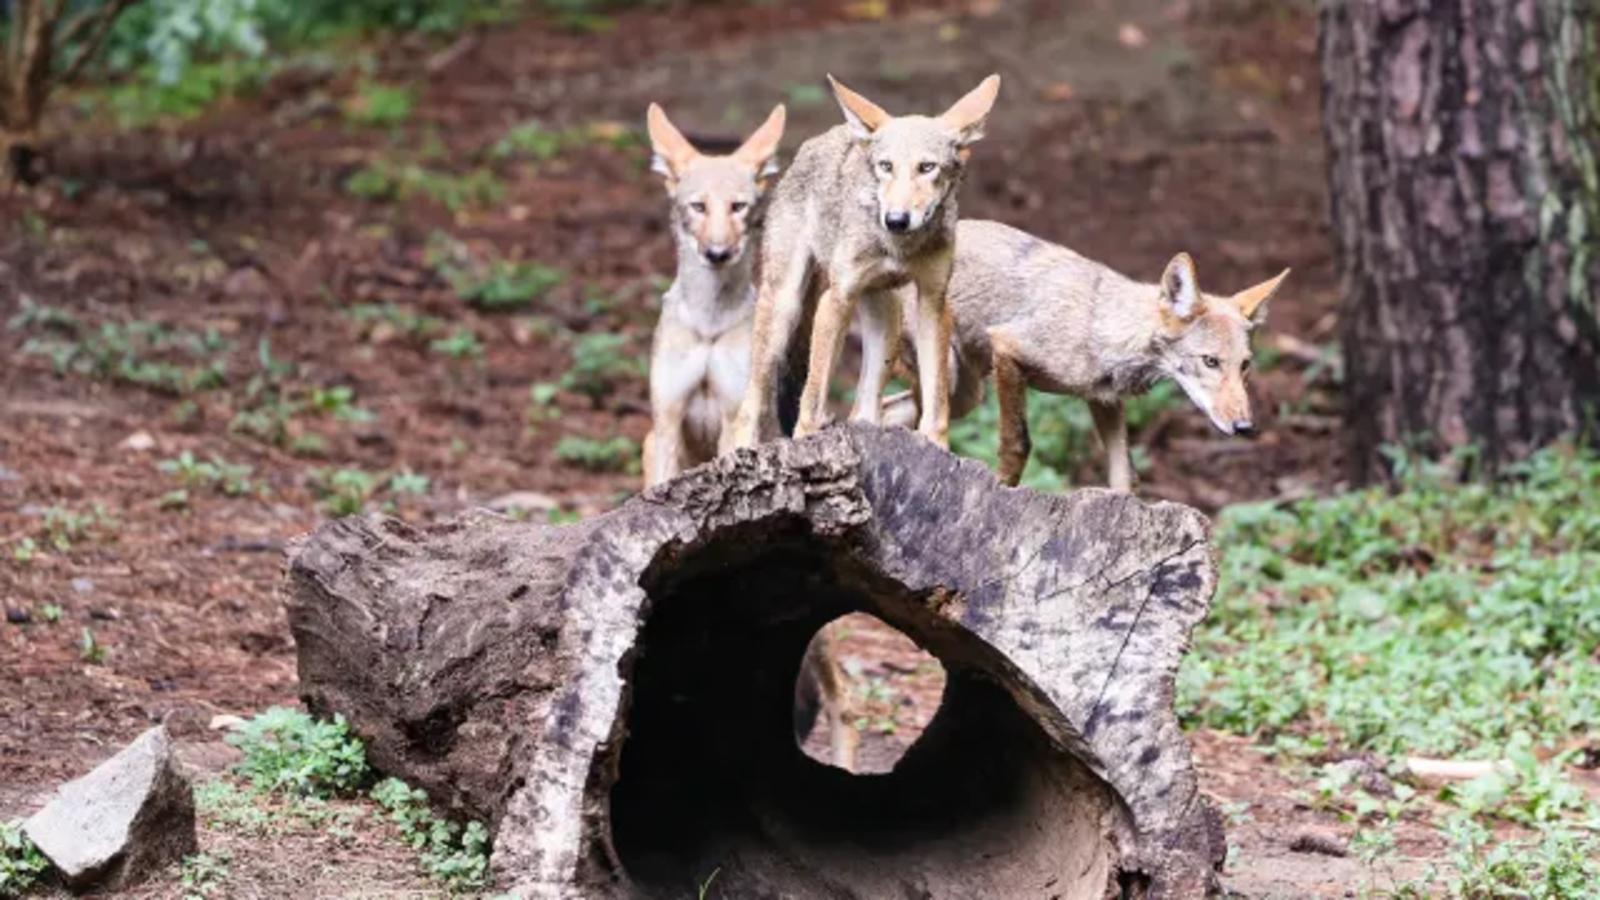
(163, 39)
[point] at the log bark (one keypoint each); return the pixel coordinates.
(615, 696)
(1466, 208)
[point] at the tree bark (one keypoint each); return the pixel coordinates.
(616, 696)
(44, 50)
(1466, 212)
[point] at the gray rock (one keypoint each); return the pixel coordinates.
(131, 816)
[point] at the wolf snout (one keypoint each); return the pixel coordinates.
(718, 255)
(1244, 428)
(897, 222)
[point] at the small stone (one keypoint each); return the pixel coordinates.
(83, 585)
(18, 616)
(1318, 840)
(225, 722)
(138, 442)
(129, 818)
(1368, 774)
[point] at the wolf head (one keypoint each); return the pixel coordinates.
(714, 197)
(1207, 342)
(916, 160)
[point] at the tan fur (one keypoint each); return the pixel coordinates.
(700, 359)
(830, 222)
(822, 695)
(1040, 316)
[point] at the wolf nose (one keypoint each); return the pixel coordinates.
(897, 221)
(1244, 428)
(718, 255)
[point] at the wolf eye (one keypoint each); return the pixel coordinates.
(738, 206)
(698, 207)
(924, 168)
(1211, 362)
(886, 167)
(1244, 366)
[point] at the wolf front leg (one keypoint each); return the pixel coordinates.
(677, 368)
(663, 446)
(827, 340)
(1112, 426)
(663, 450)
(932, 338)
(1011, 389)
(779, 308)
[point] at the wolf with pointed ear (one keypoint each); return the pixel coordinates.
(1039, 316)
(1206, 346)
(701, 357)
(714, 198)
(866, 209)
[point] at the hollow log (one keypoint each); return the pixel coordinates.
(615, 696)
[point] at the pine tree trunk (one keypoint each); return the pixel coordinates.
(1466, 203)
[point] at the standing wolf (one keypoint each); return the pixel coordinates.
(701, 356)
(1040, 316)
(870, 206)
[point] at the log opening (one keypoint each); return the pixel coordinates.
(711, 780)
(864, 693)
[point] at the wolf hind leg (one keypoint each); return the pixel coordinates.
(1011, 389)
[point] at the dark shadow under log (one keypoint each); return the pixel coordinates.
(616, 696)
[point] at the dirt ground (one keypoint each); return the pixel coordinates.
(1127, 130)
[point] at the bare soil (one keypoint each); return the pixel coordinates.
(1129, 131)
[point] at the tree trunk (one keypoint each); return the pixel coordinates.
(616, 696)
(19, 156)
(24, 85)
(1466, 212)
(45, 48)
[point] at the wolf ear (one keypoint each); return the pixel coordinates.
(864, 116)
(1180, 292)
(1252, 301)
(970, 113)
(759, 152)
(673, 152)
